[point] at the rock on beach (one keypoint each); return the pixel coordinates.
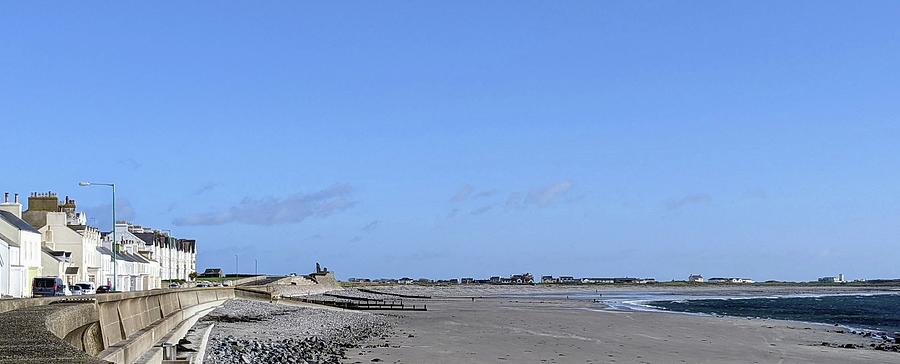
(259, 332)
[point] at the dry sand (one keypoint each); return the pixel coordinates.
(504, 330)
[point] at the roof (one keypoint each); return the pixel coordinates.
(148, 238)
(8, 241)
(58, 255)
(17, 222)
(104, 250)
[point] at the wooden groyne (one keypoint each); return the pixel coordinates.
(351, 305)
(393, 294)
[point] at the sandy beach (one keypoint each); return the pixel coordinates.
(512, 330)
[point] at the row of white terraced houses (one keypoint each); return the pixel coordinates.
(52, 239)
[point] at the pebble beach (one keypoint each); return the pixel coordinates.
(248, 331)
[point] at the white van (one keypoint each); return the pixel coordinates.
(87, 287)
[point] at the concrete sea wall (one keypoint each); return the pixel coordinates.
(117, 327)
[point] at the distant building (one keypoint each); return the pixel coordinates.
(567, 280)
(549, 279)
(525, 278)
(213, 273)
(731, 280)
(695, 278)
(598, 280)
(22, 253)
(405, 280)
(837, 279)
(467, 281)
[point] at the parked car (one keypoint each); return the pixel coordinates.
(103, 289)
(174, 285)
(48, 287)
(203, 284)
(74, 290)
(86, 287)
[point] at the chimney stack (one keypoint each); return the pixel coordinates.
(13, 208)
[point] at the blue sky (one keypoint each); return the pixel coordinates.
(447, 139)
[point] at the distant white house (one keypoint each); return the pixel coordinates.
(836, 279)
(597, 280)
(731, 280)
(695, 278)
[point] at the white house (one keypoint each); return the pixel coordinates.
(64, 230)
(137, 268)
(24, 248)
(5, 244)
(731, 280)
(177, 257)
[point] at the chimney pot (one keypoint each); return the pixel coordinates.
(6, 197)
(17, 198)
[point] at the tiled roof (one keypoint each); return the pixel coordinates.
(17, 222)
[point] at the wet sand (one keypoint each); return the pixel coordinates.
(503, 330)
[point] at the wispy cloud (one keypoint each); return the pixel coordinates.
(540, 197)
(687, 200)
(469, 192)
(277, 210)
(549, 195)
(355, 239)
(370, 227)
(484, 194)
(129, 163)
(481, 210)
(205, 188)
(463, 194)
(756, 194)
(313, 237)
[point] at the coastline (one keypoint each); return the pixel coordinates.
(522, 328)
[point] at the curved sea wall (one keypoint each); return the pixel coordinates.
(117, 327)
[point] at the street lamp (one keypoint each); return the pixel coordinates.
(114, 242)
(168, 246)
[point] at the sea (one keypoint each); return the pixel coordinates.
(876, 312)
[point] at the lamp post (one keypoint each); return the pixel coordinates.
(168, 244)
(114, 241)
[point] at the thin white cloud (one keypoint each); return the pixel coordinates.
(205, 188)
(481, 210)
(540, 197)
(371, 226)
(549, 195)
(274, 210)
(687, 200)
(463, 194)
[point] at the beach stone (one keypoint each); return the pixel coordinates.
(260, 332)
